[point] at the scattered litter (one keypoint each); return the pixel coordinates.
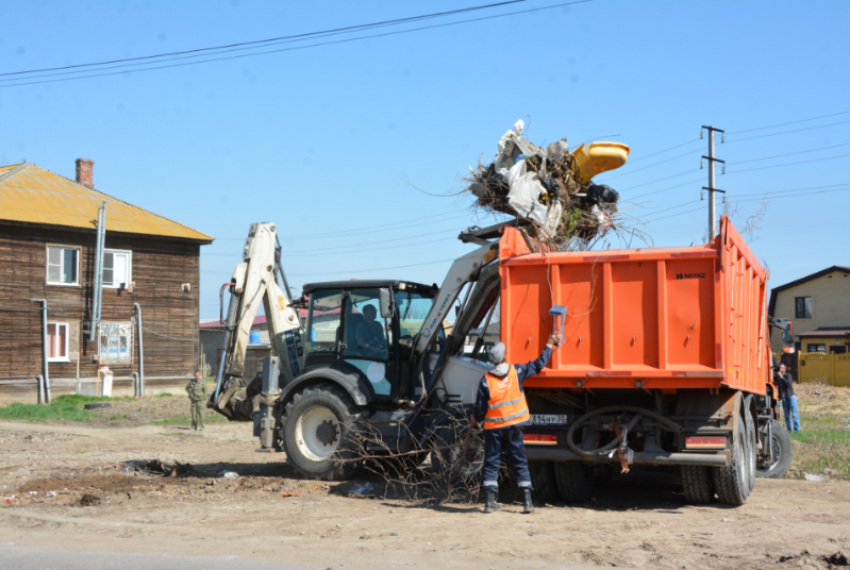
(550, 187)
(51, 494)
(8, 501)
(288, 494)
(365, 536)
(361, 489)
(812, 477)
(124, 535)
(534, 533)
(229, 474)
(231, 557)
(829, 471)
(728, 520)
(393, 534)
(90, 500)
(156, 466)
(33, 493)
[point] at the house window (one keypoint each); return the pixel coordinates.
(115, 343)
(57, 342)
(817, 348)
(804, 307)
(63, 265)
(116, 268)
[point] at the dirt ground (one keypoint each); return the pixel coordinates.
(637, 521)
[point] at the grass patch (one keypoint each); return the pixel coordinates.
(820, 446)
(164, 395)
(57, 410)
(179, 434)
(79, 399)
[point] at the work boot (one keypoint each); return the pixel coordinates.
(490, 504)
(527, 506)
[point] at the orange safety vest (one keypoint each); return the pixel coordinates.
(507, 405)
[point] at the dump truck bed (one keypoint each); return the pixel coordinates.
(667, 318)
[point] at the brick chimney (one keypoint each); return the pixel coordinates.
(85, 172)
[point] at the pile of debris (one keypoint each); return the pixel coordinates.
(550, 187)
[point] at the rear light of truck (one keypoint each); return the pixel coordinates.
(540, 439)
(705, 442)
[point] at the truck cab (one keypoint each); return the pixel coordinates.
(367, 329)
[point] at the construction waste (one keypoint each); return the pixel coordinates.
(551, 187)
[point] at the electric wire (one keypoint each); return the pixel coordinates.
(788, 123)
(788, 164)
(309, 46)
(357, 27)
(787, 132)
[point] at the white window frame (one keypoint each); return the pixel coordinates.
(47, 265)
(129, 275)
(67, 337)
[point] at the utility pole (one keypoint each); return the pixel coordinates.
(712, 213)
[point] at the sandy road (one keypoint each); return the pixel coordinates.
(640, 521)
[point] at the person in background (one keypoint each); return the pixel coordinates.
(197, 391)
(502, 408)
(785, 384)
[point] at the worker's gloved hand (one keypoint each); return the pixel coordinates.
(554, 341)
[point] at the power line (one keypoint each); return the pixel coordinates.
(788, 164)
(787, 132)
(357, 27)
(789, 154)
(665, 150)
(309, 46)
(353, 270)
(337, 251)
(689, 153)
(662, 179)
(788, 123)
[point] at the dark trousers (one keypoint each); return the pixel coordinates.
(509, 440)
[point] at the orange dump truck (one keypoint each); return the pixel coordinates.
(665, 360)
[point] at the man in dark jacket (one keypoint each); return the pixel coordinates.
(785, 384)
(502, 408)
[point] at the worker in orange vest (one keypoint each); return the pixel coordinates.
(502, 408)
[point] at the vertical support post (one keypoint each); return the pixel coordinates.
(101, 246)
(607, 316)
(663, 340)
(141, 351)
(712, 206)
(92, 326)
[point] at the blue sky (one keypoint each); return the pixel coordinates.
(328, 142)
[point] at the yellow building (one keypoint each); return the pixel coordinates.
(819, 307)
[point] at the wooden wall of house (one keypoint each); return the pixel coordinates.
(160, 266)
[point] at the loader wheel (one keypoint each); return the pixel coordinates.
(697, 484)
(733, 483)
(319, 424)
(573, 482)
(780, 441)
(543, 480)
(752, 457)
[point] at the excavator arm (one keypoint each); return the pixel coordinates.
(254, 282)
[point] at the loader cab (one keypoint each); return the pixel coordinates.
(368, 327)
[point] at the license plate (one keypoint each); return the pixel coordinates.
(548, 419)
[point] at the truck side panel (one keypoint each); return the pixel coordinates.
(650, 318)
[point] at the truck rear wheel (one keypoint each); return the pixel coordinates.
(319, 424)
(543, 480)
(573, 481)
(733, 483)
(697, 484)
(780, 441)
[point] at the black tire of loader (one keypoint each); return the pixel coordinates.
(781, 443)
(340, 404)
(543, 480)
(573, 482)
(697, 484)
(733, 483)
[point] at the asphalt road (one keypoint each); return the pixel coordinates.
(21, 559)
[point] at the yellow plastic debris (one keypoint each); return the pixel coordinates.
(595, 158)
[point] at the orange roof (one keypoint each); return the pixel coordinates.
(32, 195)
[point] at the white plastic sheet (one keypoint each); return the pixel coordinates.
(524, 197)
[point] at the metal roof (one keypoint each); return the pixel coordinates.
(32, 195)
(826, 332)
(361, 284)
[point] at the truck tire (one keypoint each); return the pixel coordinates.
(697, 484)
(543, 480)
(573, 482)
(319, 424)
(781, 444)
(733, 483)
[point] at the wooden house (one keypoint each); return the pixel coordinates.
(48, 258)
